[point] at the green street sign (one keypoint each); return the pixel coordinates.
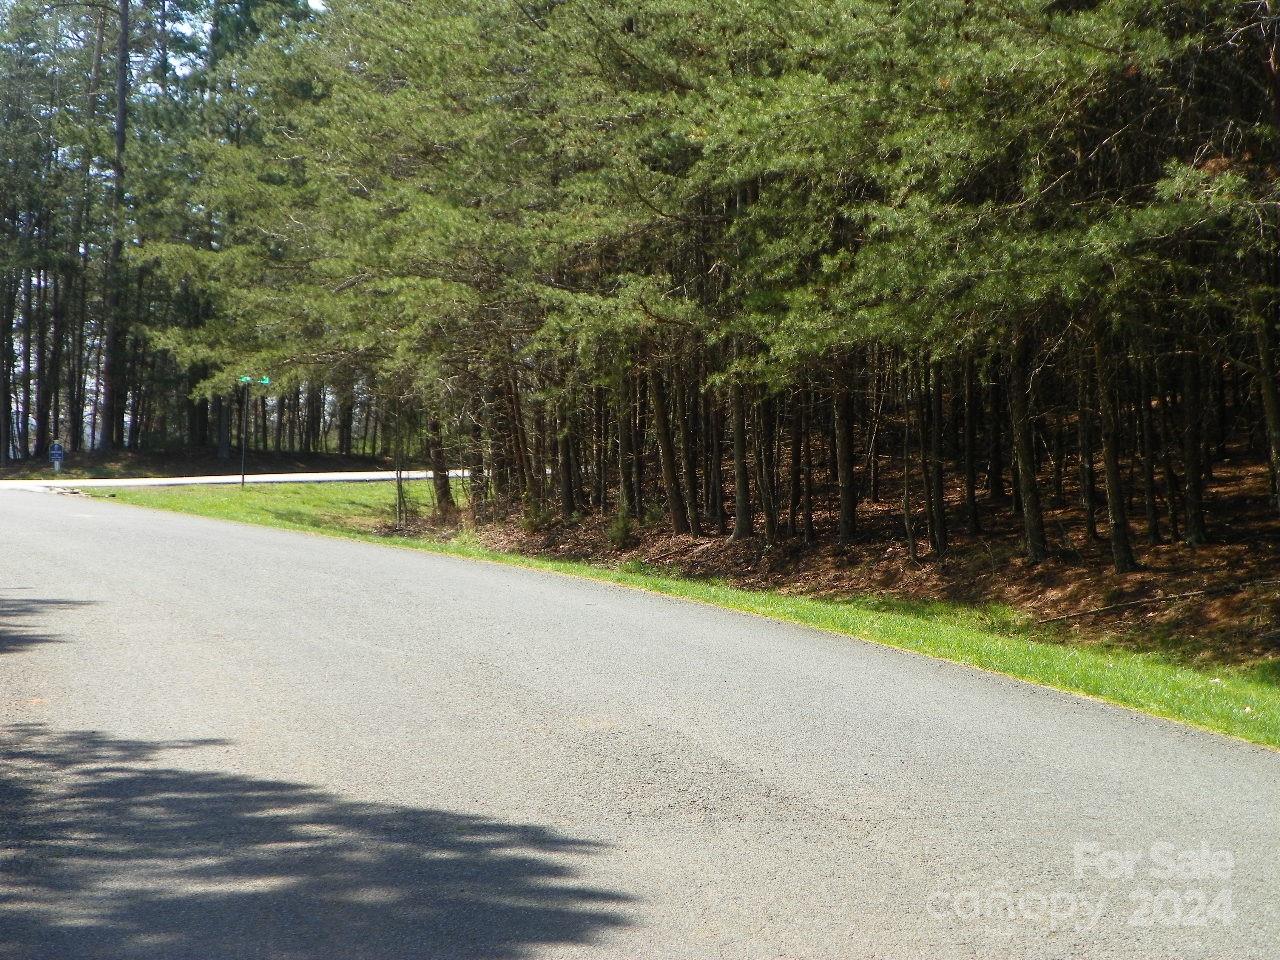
(265, 381)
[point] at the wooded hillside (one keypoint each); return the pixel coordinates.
(731, 266)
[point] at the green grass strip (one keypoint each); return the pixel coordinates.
(1243, 702)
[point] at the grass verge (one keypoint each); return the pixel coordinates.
(1243, 702)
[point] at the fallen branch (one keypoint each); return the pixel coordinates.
(1211, 591)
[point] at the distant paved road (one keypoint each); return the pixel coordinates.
(226, 741)
(340, 476)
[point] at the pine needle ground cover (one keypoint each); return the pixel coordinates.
(1240, 700)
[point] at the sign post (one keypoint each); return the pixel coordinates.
(244, 426)
(56, 455)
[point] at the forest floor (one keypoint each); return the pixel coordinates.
(1212, 659)
(1214, 604)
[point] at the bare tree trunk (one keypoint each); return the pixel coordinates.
(1121, 548)
(794, 466)
(8, 309)
(908, 522)
(765, 472)
(743, 519)
(995, 444)
(1193, 498)
(715, 462)
(600, 449)
(1270, 402)
(625, 477)
(112, 429)
(568, 491)
(1148, 459)
(1024, 449)
(442, 485)
(1084, 411)
(842, 414)
(687, 411)
(477, 482)
(638, 445)
(807, 432)
(972, 411)
(667, 455)
(936, 487)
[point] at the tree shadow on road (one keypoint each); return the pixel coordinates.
(106, 853)
(17, 613)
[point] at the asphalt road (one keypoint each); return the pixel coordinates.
(224, 741)
(222, 479)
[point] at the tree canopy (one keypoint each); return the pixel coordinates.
(600, 254)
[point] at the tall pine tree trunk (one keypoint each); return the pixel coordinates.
(667, 455)
(972, 413)
(715, 463)
(1024, 447)
(794, 465)
(1150, 506)
(1121, 548)
(807, 432)
(743, 519)
(113, 360)
(1192, 419)
(842, 425)
(564, 435)
(8, 310)
(625, 436)
(908, 521)
(1270, 402)
(687, 412)
(440, 481)
(766, 486)
(1084, 429)
(936, 485)
(638, 447)
(995, 443)
(477, 482)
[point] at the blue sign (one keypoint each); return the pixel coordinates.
(56, 453)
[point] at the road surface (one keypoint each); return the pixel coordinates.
(340, 476)
(226, 741)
